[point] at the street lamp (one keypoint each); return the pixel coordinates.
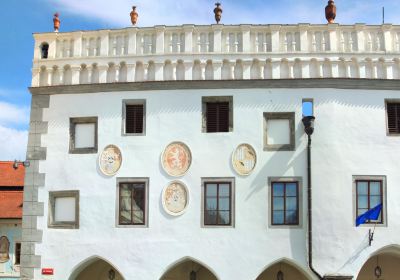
(308, 123)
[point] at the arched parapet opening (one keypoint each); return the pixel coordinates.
(111, 73)
(67, 77)
(354, 68)
(284, 69)
(84, 75)
(268, 69)
(226, 72)
(168, 71)
(151, 71)
(209, 72)
(369, 68)
(396, 68)
(196, 71)
(139, 73)
(238, 70)
(381, 264)
(289, 269)
(327, 68)
(123, 72)
(180, 70)
(381, 69)
(95, 268)
(255, 70)
(189, 268)
(314, 68)
(297, 69)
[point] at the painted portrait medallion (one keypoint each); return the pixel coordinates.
(175, 198)
(110, 160)
(244, 159)
(176, 159)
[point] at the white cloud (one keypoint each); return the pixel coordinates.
(13, 143)
(11, 114)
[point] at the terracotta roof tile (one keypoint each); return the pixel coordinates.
(10, 177)
(11, 204)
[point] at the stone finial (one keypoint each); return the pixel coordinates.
(134, 15)
(330, 11)
(218, 12)
(56, 22)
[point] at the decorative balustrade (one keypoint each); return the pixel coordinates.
(191, 52)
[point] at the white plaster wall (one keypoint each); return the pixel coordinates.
(349, 139)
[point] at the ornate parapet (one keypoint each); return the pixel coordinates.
(217, 52)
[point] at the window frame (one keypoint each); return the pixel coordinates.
(126, 102)
(372, 178)
(280, 116)
(51, 223)
(299, 181)
(223, 180)
(387, 102)
(216, 99)
(82, 120)
(132, 180)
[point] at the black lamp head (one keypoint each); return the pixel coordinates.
(308, 123)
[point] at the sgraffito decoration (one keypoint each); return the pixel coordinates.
(244, 159)
(176, 159)
(110, 160)
(175, 198)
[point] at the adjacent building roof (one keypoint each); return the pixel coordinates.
(10, 177)
(11, 190)
(11, 204)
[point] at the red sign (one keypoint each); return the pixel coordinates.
(47, 271)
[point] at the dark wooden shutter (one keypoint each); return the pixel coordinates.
(134, 118)
(393, 114)
(217, 117)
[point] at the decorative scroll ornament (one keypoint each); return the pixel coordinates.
(176, 159)
(56, 22)
(175, 198)
(110, 160)
(244, 159)
(134, 15)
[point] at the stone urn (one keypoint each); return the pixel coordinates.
(218, 12)
(56, 22)
(134, 15)
(330, 11)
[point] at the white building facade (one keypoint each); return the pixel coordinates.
(104, 198)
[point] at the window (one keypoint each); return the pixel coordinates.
(218, 202)
(285, 203)
(133, 117)
(217, 114)
(64, 209)
(132, 202)
(369, 195)
(44, 51)
(393, 117)
(17, 253)
(83, 135)
(368, 192)
(279, 132)
(4, 249)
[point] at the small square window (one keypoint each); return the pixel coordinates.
(64, 209)
(83, 135)
(217, 114)
(217, 202)
(279, 132)
(134, 117)
(370, 191)
(132, 202)
(393, 117)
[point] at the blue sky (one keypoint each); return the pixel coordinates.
(22, 18)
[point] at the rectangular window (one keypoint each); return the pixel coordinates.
(279, 131)
(17, 253)
(83, 135)
(217, 114)
(369, 194)
(132, 202)
(285, 203)
(134, 117)
(393, 117)
(217, 203)
(64, 209)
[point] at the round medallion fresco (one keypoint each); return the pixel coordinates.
(176, 159)
(244, 159)
(110, 160)
(175, 198)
